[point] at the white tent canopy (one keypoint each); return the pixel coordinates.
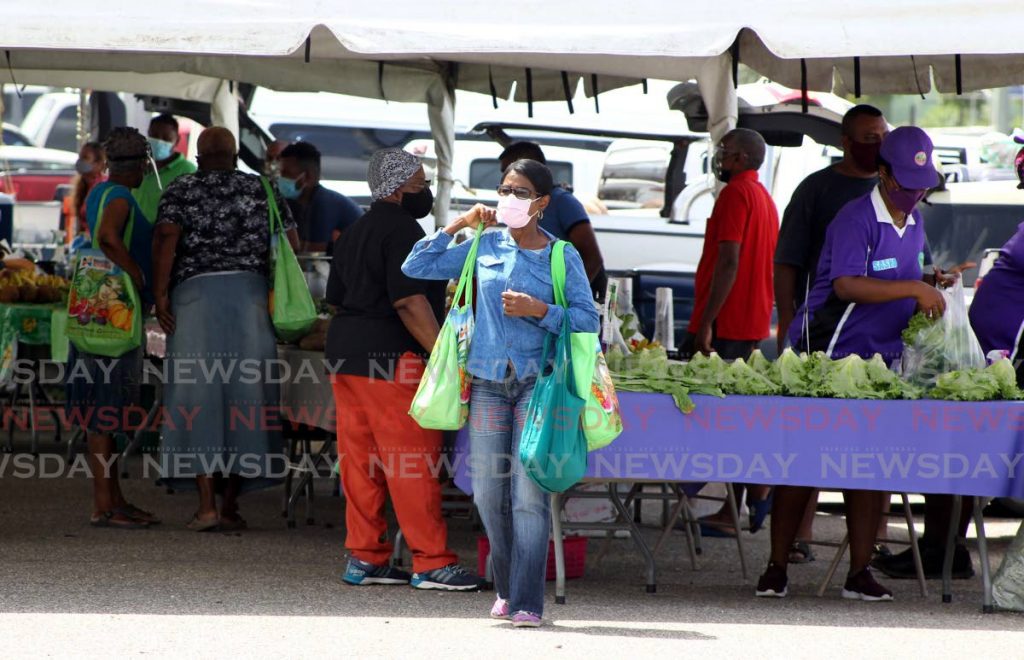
(493, 42)
(410, 50)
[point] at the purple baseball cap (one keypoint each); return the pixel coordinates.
(908, 150)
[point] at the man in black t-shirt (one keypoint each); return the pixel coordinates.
(815, 203)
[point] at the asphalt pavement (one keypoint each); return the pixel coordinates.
(272, 592)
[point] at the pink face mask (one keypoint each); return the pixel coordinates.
(514, 212)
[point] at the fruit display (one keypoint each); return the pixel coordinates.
(23, 286)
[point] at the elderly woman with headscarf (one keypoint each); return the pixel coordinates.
(100, 389)
(211, 254)
(384, 326)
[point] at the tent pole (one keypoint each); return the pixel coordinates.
(224, 109)
(441, 113)
(715, 83)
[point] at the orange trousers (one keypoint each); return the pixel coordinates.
(382, 450)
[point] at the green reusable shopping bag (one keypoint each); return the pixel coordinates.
(104, 311)
(291, 306)
(602, 420)
(442, 398)
(553, 448)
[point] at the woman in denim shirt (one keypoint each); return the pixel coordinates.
(515, 312)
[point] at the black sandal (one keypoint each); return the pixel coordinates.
(106, 519)
(800, 553)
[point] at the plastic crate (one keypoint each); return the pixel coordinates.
(575, 556)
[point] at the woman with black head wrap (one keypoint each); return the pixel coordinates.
(100, 389)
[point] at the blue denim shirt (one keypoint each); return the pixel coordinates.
(503, 266)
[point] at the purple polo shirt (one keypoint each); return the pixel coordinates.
(862, 240)
(997, 312)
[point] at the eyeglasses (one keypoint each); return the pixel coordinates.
(520, 193)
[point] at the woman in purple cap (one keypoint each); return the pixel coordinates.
(870, 281)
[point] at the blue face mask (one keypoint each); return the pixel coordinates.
(161, 150)
(289, 187)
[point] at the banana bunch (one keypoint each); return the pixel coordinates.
(28, 287)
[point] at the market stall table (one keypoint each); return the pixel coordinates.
(36, 325)
(962, 448)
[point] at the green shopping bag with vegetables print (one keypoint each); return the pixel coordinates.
(442, 398)
(291, 306)
(601, 417)
(104, 312)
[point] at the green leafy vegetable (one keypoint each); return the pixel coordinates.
(744, 380)
(996, 381)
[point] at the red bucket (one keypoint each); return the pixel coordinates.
(575, 556)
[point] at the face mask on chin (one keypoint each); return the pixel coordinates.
(716, 168)
(418, 204)
(865, 155)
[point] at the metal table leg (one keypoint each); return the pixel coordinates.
(652, 584)
(915, 550)
(34, 449)
(947, 561)
(556, 536)
(986, 577)
(735, 513)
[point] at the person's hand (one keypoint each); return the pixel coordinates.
(472, 218)
(703, 340)
(520, 304)
(782, 329)
(163, 313)
(930, 301)
(947, 278)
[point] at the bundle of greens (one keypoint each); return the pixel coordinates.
(802, 375)
(935, 347)
(996, 381)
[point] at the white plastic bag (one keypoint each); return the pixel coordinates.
(1008, 585)
(945, 345)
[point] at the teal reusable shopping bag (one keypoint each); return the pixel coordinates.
(104, 311)
(442, 398)
(553, 448)
(291, 306)
(602, 420)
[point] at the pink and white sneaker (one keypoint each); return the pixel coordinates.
(500, 609)
(525, 619)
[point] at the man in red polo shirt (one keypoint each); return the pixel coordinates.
(733, 308)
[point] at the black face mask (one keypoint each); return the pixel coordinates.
(418, 204)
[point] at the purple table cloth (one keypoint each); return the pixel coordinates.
(960, 448)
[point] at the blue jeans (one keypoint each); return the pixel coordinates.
(516, 513)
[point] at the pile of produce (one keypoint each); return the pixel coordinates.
(802, 375)
(25, 286)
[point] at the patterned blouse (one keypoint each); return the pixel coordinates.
(224, 220)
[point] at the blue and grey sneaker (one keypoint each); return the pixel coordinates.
(360, 573)
(448, 578)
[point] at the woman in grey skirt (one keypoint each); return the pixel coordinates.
(211, 256)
